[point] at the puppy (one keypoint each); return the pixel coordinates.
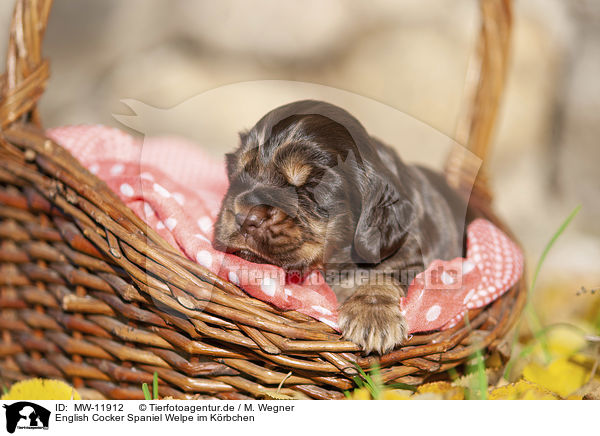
(311, 190)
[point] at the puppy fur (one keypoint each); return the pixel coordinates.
(311, 190)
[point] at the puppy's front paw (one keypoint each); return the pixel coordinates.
(373, 321)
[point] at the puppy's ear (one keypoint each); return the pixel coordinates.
(243, 137)
(386, 217)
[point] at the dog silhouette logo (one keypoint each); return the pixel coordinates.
(26, 415)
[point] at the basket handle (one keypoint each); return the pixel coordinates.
(27, 73)
(483, 89)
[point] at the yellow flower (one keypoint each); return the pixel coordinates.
(562, 376)
(521, 390)
(564, 341)
(443, 390)
(361, 394)
(41, 389)
(386, 394)
(395, 394)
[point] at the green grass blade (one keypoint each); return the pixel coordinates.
(372, 383)
(155, 385)
(146, 392)
(480, 386)
(549, 245)
(482, 377)
(533, 318)
(375, 381)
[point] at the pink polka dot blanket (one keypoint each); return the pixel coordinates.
(177, 190)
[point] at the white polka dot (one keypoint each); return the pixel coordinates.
(148, 209)
(126, 189)
(322, 310)
(160, 225)
(202, 237)
(467, 266)
(433, 313)
(269, 286)
(287, 292)
(147, 176)
(179, 198)
(117, 169)
(205, 223)
(204, 258)
(447, 278)
(477, 257)
(161, 191)
(171, 223)
(94, 169)
(233, 277)
(492, 289)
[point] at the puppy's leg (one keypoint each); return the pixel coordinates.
(371, 317)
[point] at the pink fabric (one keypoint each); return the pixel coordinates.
(177, 189)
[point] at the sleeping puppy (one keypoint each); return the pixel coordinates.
(311, 190)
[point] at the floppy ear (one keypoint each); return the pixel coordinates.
(230, 163)
(232, 158)
(386, 217)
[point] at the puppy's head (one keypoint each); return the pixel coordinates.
(307, 187)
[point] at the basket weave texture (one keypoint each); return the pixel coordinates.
(90, 294)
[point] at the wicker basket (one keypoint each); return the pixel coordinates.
(91, 295)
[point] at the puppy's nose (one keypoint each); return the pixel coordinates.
(240, 218)
(253, 220)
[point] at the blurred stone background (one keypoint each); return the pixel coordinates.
(410, 55)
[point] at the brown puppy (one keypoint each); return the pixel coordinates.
(310, 189)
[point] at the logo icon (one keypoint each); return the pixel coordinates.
(26, 415)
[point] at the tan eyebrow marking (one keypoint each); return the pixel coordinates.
(295, 171)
